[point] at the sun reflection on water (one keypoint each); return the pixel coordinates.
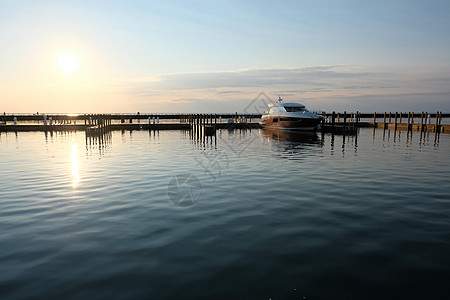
(75, 164)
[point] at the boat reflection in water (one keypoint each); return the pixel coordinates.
(293, 145)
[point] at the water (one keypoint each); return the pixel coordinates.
(256, 215)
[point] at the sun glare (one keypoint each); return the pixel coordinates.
(68, 63)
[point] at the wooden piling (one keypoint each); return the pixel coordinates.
(395, 120)
(421, 121)
(333, 120)
(436, 122)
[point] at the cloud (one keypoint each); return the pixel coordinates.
(319, 87)
(249, 78)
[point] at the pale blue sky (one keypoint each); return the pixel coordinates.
(218, 55)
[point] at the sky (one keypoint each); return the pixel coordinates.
(224, 56)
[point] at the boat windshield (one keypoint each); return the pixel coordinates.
(295, 108)
(277, 109)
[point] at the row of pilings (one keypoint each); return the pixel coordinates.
(202, 124)
(396, 120)
(333, 123)
(98, 123)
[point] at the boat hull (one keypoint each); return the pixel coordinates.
(306, 124)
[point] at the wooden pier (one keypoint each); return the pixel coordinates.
(394, 121)
(207, 124)
(348, 123)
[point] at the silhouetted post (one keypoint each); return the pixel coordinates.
(338, 117)
(400, 118)
(333, 116)
(395, 120)
(384, 121)
(345, 118)
(436, 122)
(374, 119)
(421, 121)
(412, 117)
(390, 118)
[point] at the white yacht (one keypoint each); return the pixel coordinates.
(292, 116)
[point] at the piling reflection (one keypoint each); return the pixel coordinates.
(98, 144)
(395, 136)
(299, 145)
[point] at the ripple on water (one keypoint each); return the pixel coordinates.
(282, 217)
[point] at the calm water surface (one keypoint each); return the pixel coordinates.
(245, 215)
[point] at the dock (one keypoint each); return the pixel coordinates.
(334, 122)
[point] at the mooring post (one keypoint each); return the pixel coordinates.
(384, 121)
(421, 121)
(333, 116)
(400, 118)
(395, 120)
(338, 117)
(390, 117)
(375, 119)
(345, 119)
(436, 122)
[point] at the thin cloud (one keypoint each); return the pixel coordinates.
(322, 87)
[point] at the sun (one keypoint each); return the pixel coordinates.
(68, 63)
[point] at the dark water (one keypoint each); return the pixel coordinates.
(247, 215)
